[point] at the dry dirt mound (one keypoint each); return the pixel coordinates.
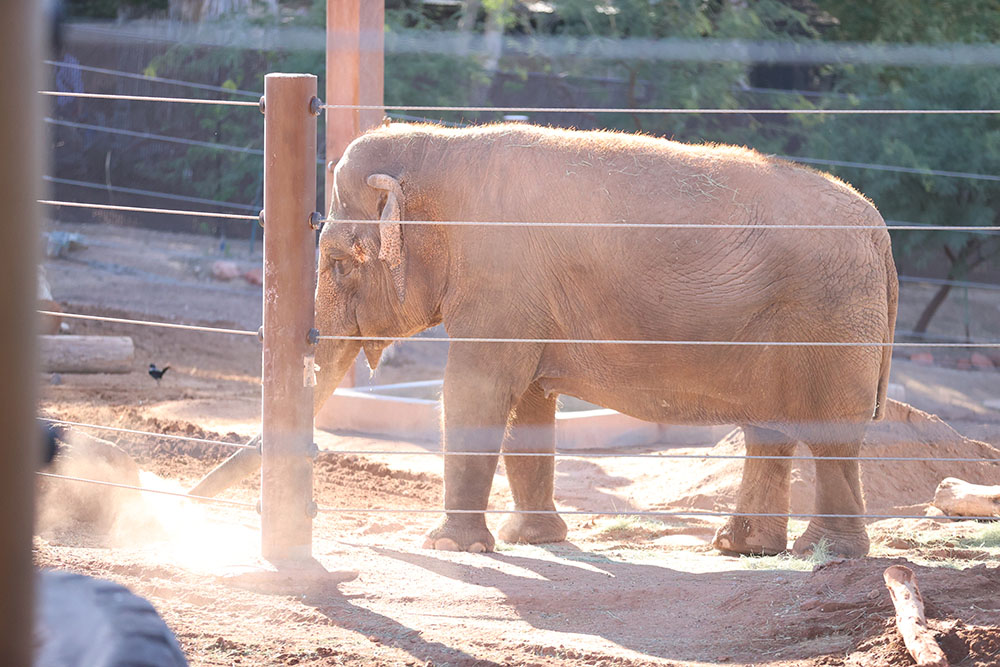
(888, 485)
(850, 597)
(351, 481)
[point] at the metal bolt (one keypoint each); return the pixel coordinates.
(315, 106)
(262, 104)
(331, 165)
(260, 333)
(260, 218)
(315, 220)
(311, 509)
(313, 336)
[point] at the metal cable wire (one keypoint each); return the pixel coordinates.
(176, 494)
(942, 281)
(148, 323)
(668, 513)
(890, 167)
(153, 79)
(163, 137)
(791, 158)
(148, 98)
(155, 137)
(144, 209)
(567, 455)
(148, 193)
(673, 225)
(169, 436)
(616, 341)
(860, 112)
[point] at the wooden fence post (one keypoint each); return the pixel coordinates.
(21, 111)
(289, 277)
(355, 41)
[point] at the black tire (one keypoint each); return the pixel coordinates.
(84, 622)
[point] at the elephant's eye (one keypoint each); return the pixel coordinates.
(342, 267)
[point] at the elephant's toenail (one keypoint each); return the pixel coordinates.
(477, 548)
(446, 544)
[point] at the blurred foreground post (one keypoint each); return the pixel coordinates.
(355, 39)
(289, 275)
(20, 448)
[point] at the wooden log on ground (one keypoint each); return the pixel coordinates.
(956, 497)
(86, 354)
(910, 619)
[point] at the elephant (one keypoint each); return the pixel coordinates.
(400, 252)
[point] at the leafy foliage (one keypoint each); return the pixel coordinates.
(499, 78)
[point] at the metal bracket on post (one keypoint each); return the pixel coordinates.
(289, 273)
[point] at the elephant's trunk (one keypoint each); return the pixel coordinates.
(334, 359)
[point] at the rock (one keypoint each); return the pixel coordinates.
(254, 276)
(60, 244)
(55, 379)
(981, 362)
(923, 358)
(225, 270)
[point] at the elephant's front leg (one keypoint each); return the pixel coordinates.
(478, 397)
(531, 478)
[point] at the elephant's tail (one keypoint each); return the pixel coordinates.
(891, 302)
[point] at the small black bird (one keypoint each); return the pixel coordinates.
(157, 373)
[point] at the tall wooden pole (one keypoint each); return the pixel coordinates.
(355, 39)
(355, 65)
(289, 278)
(21, 136)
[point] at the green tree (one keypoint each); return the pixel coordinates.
(953, 143)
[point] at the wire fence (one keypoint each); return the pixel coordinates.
(566, 512)
(148, 98)
(150, 323)
(460, 339)
(148, 193)
(621, 341)
(129, 487)
(676, 110)
(658, 513)
(986, 229)
(148, 434)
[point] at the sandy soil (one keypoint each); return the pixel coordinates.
(619, 592)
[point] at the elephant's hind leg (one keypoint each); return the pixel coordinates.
(764, 490)
(531, 478)
(838, 491)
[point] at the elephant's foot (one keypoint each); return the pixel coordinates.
(752, 536)
(846, 540)
(463, 532)
(533, 529)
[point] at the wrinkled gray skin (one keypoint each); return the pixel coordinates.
(746, 284)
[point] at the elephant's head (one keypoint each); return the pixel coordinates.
(378, 278)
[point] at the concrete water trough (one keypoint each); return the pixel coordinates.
(412, 411)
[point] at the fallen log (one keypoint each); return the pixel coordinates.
(86, 354)
(910, 619)
(956, 497)
(239, 466)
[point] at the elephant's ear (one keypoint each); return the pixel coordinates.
(391, 231)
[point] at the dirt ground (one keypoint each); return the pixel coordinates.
(621, 591)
